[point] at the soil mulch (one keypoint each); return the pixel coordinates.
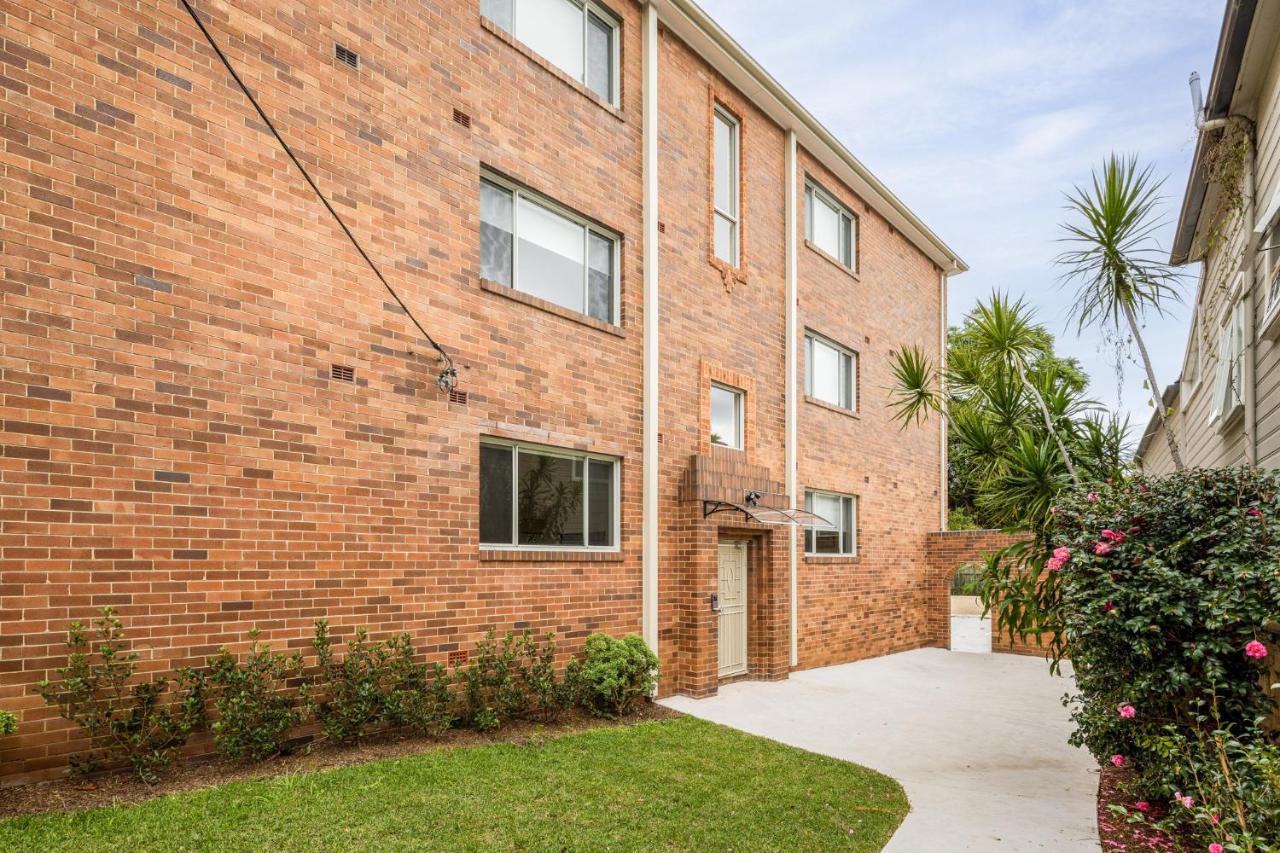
(121, 787)
(1116, 833)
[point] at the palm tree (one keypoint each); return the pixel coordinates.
(1117, 265)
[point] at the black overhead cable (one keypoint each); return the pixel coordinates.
(448, 378)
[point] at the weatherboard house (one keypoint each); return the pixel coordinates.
(665, 300)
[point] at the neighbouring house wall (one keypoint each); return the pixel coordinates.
(1204, 442)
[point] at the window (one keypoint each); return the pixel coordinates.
(579, 38)
(546, 498)
(830, 226)
(531, 245)
(1228, 392)
(830, 373)
(726, 416)
(1270, 249)
(841, 511)
(725, 200)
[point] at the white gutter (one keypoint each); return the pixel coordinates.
(696, 28)
(791, 176)
(649, 442)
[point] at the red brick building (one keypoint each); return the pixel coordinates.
(664, 284)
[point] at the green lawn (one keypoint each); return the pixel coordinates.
(676, 784)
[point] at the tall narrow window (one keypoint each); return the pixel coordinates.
(1270, 250)
(725, 168)
(531, 244)
(841, 511)
(726, 416)
(1228, 392)
(831, 373)
(542, 497)
(830, 226)
(579, 38)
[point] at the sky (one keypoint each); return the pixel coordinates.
(981, 114)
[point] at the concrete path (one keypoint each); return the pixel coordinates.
(979, 742)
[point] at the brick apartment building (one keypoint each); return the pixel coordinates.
(664, 284)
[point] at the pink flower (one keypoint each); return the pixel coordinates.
(1128, 712)
(1117, 760)
(1133, 530)
(1092, 497)
(1253, 512)
(1255, 650)
(1142, 806)
(1186, 801)
(1054, 564)
(1062, 552)
(1215, 819)
(1113, 535)
(1102, 549)
(1215, 847)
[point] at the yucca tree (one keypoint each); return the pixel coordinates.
(1115, 263)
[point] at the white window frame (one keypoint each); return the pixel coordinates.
(615, 41)
(1228, 390)
(839, 523)
(739, 416)
(1269, 247)
(517, 193)
(560, 452)
(851, 378)
(815, 194)
(734, 217)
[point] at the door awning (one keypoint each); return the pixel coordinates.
(768, 515)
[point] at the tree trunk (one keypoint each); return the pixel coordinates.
(1156, 396)
(1048, 423)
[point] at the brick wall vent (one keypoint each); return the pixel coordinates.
(459, 117)
(662, 228)
(343, 373)
(458, 658)
(346, 56)
(459, 397)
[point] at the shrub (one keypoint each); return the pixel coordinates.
(126, 720)
(1159, 609)
(256, 706)
(1231, 789)
(348, 693)
(8, 723)
(378, 684)
(492, 691)
(547, 695)
(616, 673)
(417, 697)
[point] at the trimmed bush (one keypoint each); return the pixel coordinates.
(616, 673)
(8, 723)
(126, 720)
(256, 706)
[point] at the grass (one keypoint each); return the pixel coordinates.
(677, 784)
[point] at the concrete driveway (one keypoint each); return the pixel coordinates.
(979, 742)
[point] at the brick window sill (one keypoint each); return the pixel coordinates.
(852, 273)
(832, 559)
(536, 59)
(839, 410)
(551, 308)
(517, 555)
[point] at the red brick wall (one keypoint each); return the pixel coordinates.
(876, 603)
(948, 551)
(173, 298)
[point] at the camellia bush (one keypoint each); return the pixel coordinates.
(1162, 592)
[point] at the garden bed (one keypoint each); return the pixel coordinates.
(207, 771)
(1115, 832)
(673, 783)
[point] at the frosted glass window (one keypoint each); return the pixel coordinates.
(551, 256)
(830, 226)
(831, 373)
(579, 38)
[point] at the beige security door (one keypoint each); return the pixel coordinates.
(733, 608)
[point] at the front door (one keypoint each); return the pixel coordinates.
(733, 608)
